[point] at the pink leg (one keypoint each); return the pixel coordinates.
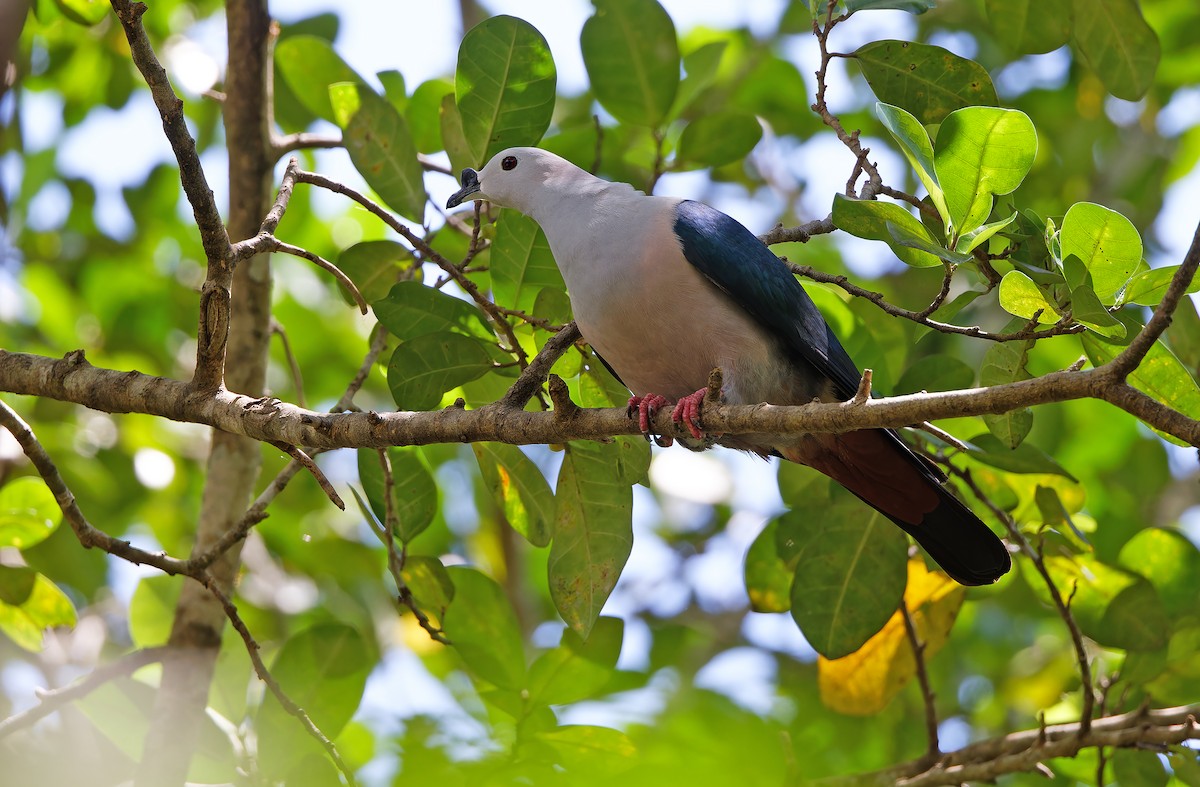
(646, 407)
(687, 413)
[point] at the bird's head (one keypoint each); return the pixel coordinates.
(512, 179)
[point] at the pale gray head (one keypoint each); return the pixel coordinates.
(517, 178)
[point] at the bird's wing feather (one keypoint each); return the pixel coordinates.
(737, 262)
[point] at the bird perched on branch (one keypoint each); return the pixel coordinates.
(666, 290)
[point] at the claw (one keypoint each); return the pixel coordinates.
(687, 413)
(647, 406)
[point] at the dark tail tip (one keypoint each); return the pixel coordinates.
(960, 542)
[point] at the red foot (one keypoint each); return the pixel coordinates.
(647, 406)
(687, 413)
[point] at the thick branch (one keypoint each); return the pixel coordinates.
(72, 379)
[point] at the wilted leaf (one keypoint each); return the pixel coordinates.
(864, 682)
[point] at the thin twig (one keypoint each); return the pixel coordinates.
(52, 700)
(1131, 357)
(318, 475)
(481, 300)
(934, 750)
(265, 676)
(1030, 331)
(88, 535)
(1087, 691)
(293, 364)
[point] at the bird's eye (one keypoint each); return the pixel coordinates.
(509, 162)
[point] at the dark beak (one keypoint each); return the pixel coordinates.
(470, 186)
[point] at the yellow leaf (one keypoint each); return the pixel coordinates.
(864, 682)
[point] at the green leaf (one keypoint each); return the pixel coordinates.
(718, 139)
(28, 512)
(593, 533)
(411, 309)
(394, 89)
(917, 148)
(1114, 607)
(911, 6)
(380, 147)
(324, 670)
(309, 66)
(936, 372)
(576, 669)
(414, 492)
(1160, 375)
(700, 69)
(849, 578)
(84, 12)
(1030, 27)
(504, 86)
(1185, 764)
(423, 114)
(1117, 44)
(454, 138)
(1171, 563)
(1107, 243)
(969, 241)
(1004, 362)
(373, 266)
(430, 584)
(594, 751)
(483, 627)
(982, 152)
(1148, 287)
(1138, 768)
(1020, 296)
(632, 59)
(910, 237)
(928, 81)
(152, 610)
(44, 606)
(522, 264)
(1087, 309)
(870, 218)
(1025, 458)
(519, 489)
(423, 369)
(16, 584)
(768, 571)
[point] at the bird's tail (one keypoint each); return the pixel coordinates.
(882, 471)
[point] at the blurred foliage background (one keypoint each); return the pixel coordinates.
(704, 689)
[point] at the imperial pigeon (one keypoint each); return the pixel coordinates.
(666, 290)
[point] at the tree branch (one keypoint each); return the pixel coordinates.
(73, 379)
(51, 701)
